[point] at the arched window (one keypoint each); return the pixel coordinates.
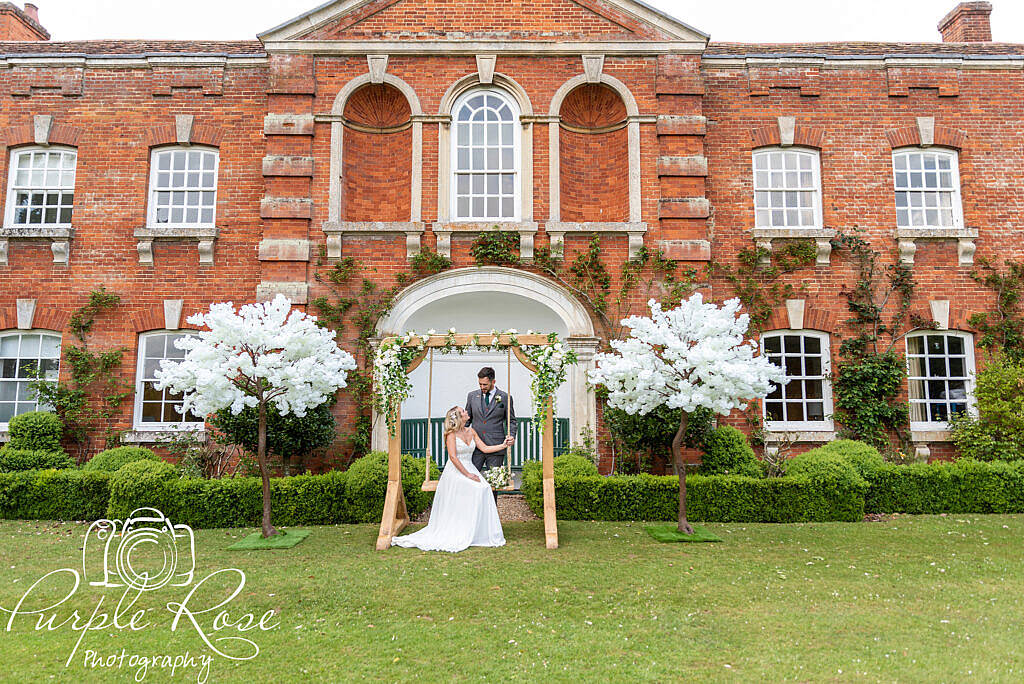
(183, 187)
(787, 188)
(940, 377)
(157, 409)
(23, 356)
(486, 157)
(927, 184)
(805, 401)
(41, 189)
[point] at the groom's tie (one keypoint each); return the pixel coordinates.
(487, 398)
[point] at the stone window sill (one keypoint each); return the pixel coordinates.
(60, 240)
(776, 436)
(822, 239)
(205, 236)
(413, 231)
(921, 439)
(527, 232)
(159, 436)
(557, 230)
(965, 238)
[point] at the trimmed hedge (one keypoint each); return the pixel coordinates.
(112, 460)
(714, 498)
(54, 495)
(962, 486)
(352, 496)
(17, 460)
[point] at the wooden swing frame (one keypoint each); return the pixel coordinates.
(396, 515)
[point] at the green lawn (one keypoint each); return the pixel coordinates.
(914, 599)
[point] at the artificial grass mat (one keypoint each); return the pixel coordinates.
(668, 533)
(285, 540)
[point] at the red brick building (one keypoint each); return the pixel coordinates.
(177, 174)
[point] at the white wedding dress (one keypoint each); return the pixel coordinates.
(463, 513)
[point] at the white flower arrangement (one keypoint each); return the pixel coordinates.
(499, 477)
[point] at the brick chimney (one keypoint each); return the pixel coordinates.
(21, 24)
(967, 23)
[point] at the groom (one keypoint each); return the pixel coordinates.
(487, 412)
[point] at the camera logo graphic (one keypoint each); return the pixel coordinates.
(145, 552)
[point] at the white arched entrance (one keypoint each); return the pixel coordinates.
(480, 300)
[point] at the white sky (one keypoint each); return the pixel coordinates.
(766, 21)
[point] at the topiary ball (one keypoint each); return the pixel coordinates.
(112, 460)
(35, 431)
(728, 452)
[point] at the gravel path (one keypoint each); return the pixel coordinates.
(511, 508)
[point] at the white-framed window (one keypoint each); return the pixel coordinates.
(940, 377)
(927, 184)
(486, 170)
(183, 187)
(41, 187)
(787, 188)
(805, 401)
(158, 409)
(24, 355)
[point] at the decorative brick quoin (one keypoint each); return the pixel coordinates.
(363, 133)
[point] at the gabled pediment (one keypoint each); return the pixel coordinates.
(485, 20)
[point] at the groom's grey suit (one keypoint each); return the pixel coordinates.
(489, 422)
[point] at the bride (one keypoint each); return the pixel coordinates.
(463, 513)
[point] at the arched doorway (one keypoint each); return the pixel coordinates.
(481, 300)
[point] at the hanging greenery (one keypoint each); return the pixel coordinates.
(391, 376)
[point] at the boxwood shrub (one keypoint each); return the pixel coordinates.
(727, 451)
(112, 460)
(35, 431)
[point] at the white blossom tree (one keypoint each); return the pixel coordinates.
(260, 354)
(692, 356)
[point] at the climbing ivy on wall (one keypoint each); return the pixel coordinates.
(93, 391)
(1002, 329)
(870, 374)
(352, 298)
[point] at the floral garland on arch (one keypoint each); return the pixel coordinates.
(391, 379)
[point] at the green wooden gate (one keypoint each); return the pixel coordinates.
(526, 448)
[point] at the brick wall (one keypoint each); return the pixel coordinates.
(700, 120)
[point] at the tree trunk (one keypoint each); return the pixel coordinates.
(677, 456)
(261, 457)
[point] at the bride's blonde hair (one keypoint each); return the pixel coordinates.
(452, 421)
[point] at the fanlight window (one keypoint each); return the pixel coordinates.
(485, 152)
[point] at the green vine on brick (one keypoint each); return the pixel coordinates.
(496, 248)
(871, 374)
(362, 303)
(94, 391)
(647, 275)
(759, 286)
(1002, 329)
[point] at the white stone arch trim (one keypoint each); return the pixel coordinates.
(633, 142)
(337, 144)
(444, 170)
(577, 320)
(487, 279)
